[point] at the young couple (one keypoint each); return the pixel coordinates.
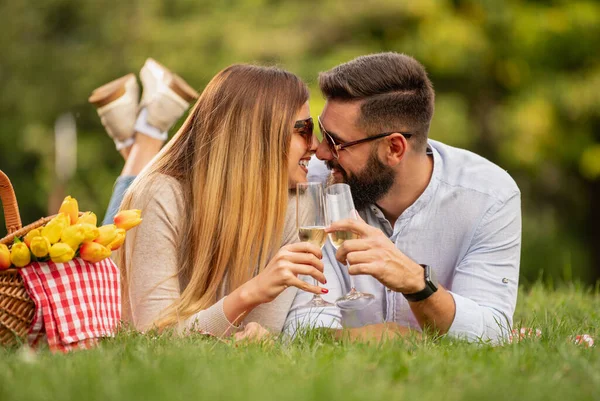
(439, 245)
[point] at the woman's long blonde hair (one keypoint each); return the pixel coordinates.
(231, 159)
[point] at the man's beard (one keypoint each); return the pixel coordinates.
(369, 185)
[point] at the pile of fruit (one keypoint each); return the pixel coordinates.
(67, 236)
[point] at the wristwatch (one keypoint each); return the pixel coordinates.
(429, 290)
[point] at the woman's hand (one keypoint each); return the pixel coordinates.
(283, 270)
(253, 332)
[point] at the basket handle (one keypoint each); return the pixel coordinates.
(9, 204)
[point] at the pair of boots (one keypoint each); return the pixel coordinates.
(166, 96)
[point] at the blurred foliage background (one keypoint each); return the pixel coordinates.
(516, 81)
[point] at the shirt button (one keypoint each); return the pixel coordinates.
(388, 289)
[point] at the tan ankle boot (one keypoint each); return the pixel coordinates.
(166, 96)
(117, 106)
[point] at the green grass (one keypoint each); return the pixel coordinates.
(147, 367)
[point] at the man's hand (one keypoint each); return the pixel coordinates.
(376, 333)
(374, 254)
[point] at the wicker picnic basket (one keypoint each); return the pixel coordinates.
(16, 307)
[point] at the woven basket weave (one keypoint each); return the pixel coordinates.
(16, 307)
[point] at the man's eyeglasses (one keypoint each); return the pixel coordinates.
(335, 147)
(306, 129)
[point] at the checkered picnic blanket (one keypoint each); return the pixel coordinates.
(76, 302)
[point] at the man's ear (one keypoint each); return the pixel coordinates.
(396, 150)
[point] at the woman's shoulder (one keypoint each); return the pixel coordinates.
(161, 192)
(165, 184)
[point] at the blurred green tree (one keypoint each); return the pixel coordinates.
(517, 82)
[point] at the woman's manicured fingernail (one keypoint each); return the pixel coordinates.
(324, 290)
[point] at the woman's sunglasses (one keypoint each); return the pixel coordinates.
(306, 129)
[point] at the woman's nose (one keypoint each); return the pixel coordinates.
(314, 144)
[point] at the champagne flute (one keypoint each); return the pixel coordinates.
(341, 206)
(311, 221)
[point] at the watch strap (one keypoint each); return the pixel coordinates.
(429, 290)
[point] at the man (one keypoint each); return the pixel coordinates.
(439, 244)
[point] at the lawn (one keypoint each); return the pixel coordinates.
(147, 367)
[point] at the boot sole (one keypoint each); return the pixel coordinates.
(109, 92)
(178, 84)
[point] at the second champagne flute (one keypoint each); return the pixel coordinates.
(341, 206)
(311, 221)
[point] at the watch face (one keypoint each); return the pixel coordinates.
(430, 286)
(430, 277)
(433, 276)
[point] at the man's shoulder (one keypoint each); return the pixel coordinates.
(465, 169)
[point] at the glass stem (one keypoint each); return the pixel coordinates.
(352, 287)
(316, 296)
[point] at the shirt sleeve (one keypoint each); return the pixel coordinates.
(485, 283)
(152, 265)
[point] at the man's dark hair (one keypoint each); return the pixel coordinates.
(394, 89)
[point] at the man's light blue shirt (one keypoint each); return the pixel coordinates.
(466, 225)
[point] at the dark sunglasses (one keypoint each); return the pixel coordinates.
(306, 129)
(335, 147)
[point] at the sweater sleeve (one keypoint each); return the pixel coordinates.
(152, 263)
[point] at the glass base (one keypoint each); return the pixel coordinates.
(355, 300)
(317, 302)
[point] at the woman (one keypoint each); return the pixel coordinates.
(209, 253)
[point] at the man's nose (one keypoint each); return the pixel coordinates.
(314, 145)
(323, 151)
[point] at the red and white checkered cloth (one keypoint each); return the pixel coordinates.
(76, 302)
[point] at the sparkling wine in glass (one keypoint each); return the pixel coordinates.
(341, 206)
(311, 220)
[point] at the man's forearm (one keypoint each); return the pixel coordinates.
(436, 312)
(377, 332)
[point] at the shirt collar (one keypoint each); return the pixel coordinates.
(426, 196)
